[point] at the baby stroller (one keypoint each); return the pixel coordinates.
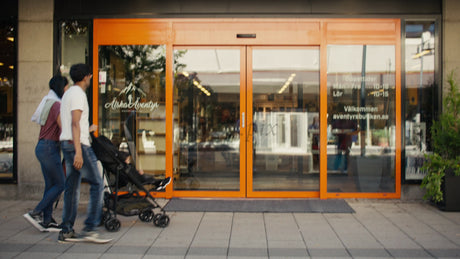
(135, 201)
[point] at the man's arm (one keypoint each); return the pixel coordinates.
(78, 159)
(58, 121)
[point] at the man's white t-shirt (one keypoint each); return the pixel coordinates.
(75, 99)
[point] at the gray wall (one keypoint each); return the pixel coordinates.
(35, 61)
(451, 40)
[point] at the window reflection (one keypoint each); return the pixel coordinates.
(420, 94)
(7, 105)
(206, 119)
(361, 118)
(74, 40)
(286, 111)
(131, 83)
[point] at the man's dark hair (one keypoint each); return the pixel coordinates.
(79, 71)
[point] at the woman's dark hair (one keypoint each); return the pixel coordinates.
(57, 84)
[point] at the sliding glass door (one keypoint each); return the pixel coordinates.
(246, 123)
(285, 119)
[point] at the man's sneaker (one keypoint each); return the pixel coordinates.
(51, 227)
(93, 237)
(53, 224)
(164, 183)
(66, 237)
(34, 219)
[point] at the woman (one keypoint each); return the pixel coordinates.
(49, 154)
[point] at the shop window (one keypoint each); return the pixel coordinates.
(131, 87)
(7, 100)
(420, 93)
(74, 44)
(361, 118)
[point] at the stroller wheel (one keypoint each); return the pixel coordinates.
(161, 220)
(106, 215)
(146, 215)
(112, 225)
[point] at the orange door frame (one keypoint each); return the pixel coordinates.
(269, 32)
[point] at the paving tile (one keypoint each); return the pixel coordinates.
(369, 253)
(383, 230)
(13, 247)
(87, 248)
(282, 226)
(329, 253)
(248, 251)
(445, 253)
(248, 229)
(79, 256)
(207, 251)
(206, 257)
(127, 250)
(47, 248)
(168, 251)
(8, 254)
(317, 232)
(210, 242)
(122, 256)
(408, 252)
(152, 256)
(287, 252)
(34, 255)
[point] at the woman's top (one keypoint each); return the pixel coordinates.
(51, 129)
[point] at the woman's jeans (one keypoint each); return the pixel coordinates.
(90, 173)
(49, 154)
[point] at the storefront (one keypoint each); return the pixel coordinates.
(321, 99)
(243, 107)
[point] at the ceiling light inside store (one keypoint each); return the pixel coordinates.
(421, 54)
(199, 86)
(10, 39)
(1, 64)
(11, 67)
(287, 83)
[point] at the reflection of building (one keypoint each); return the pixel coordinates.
(288, 82)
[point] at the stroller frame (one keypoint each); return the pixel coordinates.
(109, 215)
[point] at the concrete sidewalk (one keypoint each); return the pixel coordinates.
(378, 229)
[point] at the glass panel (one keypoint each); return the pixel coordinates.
(420, 94)
(361, 118)
(132, 103)
(285, 120)
(7, 105)
(74, 38)
(206, 119)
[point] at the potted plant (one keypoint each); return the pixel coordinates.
(442, 167)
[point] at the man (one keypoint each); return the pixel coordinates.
(80, 160)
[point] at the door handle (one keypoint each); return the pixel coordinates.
(242, 120)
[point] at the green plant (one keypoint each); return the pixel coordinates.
(445, 135)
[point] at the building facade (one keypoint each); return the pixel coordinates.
(308, 99)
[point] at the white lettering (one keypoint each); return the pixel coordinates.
(115, 105)
(137, 105)
(358, 116)
(366, 109)
(359, 79)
